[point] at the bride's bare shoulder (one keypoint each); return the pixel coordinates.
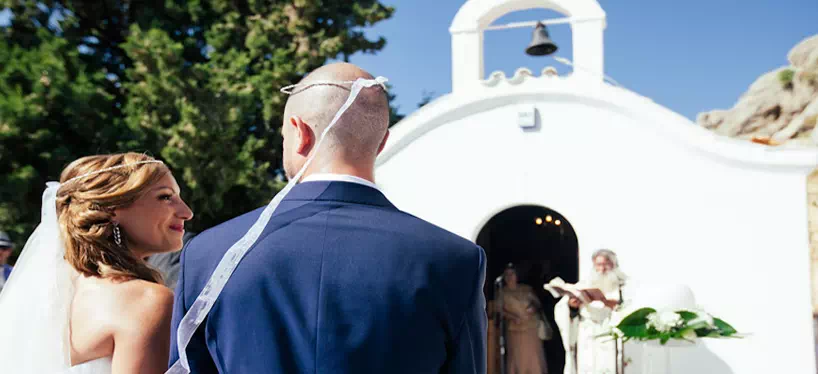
(104, 309)
(141, 301)
(132, 304)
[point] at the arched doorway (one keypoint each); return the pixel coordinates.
(542, 244)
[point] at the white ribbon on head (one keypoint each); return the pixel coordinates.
(224, 270)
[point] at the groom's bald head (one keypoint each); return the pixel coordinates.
(359, 133)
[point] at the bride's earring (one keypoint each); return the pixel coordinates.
(117, 234)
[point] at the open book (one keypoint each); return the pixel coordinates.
(558, 288)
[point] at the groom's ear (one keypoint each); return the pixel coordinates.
(304, 134)
(383, 142)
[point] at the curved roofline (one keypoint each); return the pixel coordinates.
(477, 14)
(452, 107)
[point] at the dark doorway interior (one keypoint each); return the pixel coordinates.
(542, 245)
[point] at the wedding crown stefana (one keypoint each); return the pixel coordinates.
(296, 88)
(204, 302)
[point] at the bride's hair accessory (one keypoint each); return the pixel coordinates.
(112, 168)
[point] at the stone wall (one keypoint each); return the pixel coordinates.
(812, 194)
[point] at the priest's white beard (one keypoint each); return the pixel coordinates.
(608, 282)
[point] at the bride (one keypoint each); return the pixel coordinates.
(81, 299)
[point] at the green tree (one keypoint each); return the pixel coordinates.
(394, 112)
(192, 82)
(426, 98)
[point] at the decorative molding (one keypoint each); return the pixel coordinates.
(520, 76)
(549, 71)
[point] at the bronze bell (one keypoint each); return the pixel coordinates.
(541, 44)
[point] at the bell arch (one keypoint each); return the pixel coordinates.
(587, 26)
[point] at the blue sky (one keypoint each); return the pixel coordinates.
(690, 56)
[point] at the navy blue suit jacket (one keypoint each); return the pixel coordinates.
(340, 281)
(6, 271)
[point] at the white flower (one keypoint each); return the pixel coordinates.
(702, 316)
(707, 318)
(664, 321)
(689, 334)
(670, 318)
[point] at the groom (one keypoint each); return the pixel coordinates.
(340, 280)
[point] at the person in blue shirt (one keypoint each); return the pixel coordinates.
(6, 246)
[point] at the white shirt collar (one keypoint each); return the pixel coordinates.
(329, 177)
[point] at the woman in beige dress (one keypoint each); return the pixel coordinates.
(521, 312)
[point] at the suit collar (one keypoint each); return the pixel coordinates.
(331, 177)
(338, 191)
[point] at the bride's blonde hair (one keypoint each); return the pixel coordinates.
(86, 202)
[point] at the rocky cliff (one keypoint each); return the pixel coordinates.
(780, 107)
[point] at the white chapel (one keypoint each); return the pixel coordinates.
(542, 169)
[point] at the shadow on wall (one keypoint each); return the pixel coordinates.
(650, 358)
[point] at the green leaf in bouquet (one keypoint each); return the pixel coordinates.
(653, 331)
(637, 318)
(687, 316)
(724, 328)
(634, 331)
(704, 332)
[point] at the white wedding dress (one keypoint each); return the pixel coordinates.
(102, 365)
(99, 366)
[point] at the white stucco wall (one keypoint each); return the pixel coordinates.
(678, 204)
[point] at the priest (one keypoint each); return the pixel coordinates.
(581, 322)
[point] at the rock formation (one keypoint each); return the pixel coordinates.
(780, 107)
